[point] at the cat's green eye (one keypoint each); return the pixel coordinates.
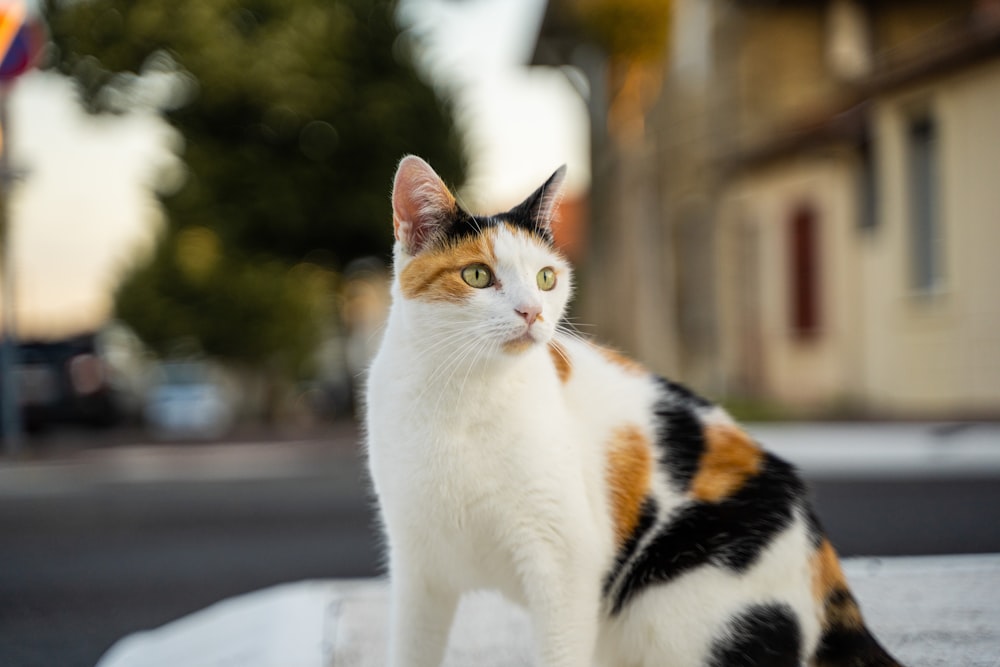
(546, 278)
(477, 275)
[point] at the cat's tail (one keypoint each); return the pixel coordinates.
(845, 640)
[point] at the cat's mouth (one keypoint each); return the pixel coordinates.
(520, 343)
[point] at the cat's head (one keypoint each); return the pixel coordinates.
(497, 279)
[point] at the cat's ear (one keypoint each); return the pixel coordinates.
(421, 204)
(540, 207)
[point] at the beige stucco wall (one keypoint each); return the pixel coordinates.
(882, 348)
(811, 373)
(938, 352)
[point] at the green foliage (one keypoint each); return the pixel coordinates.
(254, 312)
(293, 115)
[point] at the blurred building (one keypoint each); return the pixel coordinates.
(799, 203)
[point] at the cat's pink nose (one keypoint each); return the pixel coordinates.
(529, 313)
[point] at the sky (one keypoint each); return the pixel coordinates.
(83, 206)
(84, 209)
(521, 123)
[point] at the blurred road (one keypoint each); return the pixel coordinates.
(96, 543)
(105, 542)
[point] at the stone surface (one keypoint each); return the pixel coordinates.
(928, 611)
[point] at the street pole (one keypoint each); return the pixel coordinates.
(11, 414)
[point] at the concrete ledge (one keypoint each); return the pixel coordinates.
(929, 611)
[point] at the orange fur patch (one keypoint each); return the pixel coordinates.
(620, 360)
(517, 346)
(561, 360)
(830, 591)
(436, 275)
(730, 458)
(630, 469)
(826, 572)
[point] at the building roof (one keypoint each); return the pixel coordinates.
(958, 46)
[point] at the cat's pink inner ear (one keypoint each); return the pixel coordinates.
(421, 203)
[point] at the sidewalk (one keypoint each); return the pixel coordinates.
(928, 611)
(885, 450)
(820, 450)
(79, 465)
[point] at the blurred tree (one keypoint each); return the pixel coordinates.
(636, 30)
(260, 313)
(293, 115)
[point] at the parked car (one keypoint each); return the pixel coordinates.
(94, 379)
(189, 400)
(63, 382)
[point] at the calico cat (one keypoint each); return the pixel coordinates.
(637, 523)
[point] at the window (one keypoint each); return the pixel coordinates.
(803, 246)
(925, 267)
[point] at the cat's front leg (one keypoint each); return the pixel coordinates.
(563, 596)
(421, 618)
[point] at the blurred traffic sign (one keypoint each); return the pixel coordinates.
(22, 39)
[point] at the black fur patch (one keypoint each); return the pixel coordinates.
(684, 394)
(814, 526)
(647, 517)
(522, 217)
(681, 440)
(730, 534)
(848, 644)
(464, 225)
(762, 636)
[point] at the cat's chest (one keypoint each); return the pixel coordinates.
(459, 406)
(458, 445)
(460, 483)
(473, 442)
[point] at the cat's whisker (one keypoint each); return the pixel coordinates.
(562, 354)
(449, 335)
(471, 339)
(570, 324)
(479, 353)
(472, 347)
(448, 340)
(377, 333)
(573, 335)
(439, 344)
(455, 361)
(575, 322)
(448, 368)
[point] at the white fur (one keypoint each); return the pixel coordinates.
(675, 624)
(490, 473)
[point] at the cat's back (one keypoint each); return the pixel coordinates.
(718, 551)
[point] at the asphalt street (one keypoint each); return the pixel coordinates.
(109, 542)
(97, 545)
